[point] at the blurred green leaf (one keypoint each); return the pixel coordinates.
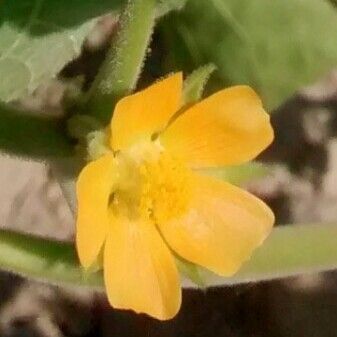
(195, 83)
(239, 174)
(38, 37)
(275, 46)
(32, 135)
(334, 2)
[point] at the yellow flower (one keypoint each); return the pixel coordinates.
(146, 200)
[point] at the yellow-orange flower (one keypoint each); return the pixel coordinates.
(146, 199)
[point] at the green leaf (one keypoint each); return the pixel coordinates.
(288, 251)
(275, 46)
(238, 174)
(120, 70)
(38, 37)
(195, 83)
(34, 136)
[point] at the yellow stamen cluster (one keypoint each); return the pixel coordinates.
(154, 189)
(166, 188)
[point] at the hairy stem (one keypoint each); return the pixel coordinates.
(119, 72)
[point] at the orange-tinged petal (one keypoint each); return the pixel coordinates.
(139, 116)
(222, 227)
(139, 271)
(93, 191)
(229, 127)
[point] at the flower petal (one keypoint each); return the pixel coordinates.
(139, 116)
(229, 127)
(93, 187)
(139, 271)
(221, 229)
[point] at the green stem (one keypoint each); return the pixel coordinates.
(43, 259)
(32, 135)
(166, 6)
(119, 72)
(290, 250)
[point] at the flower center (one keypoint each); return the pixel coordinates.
(152, 185)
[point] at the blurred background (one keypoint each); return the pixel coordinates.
(284, 49)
